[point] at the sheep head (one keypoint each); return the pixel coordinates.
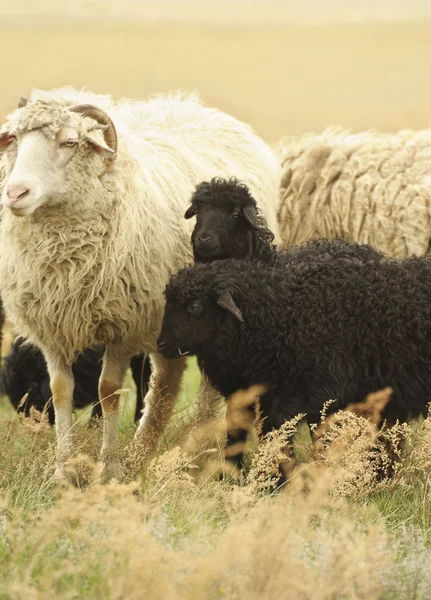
(201, 310)
(227, 220)
(41, 142)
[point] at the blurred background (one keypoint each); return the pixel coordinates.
(285, 66)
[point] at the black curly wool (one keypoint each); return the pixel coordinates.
(25, 371)
(323, 250)
(310, 330)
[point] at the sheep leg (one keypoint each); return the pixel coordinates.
(141, 372)
(275, 412)
(114, 367)
(96, 411)
(239, 422)
(209, 402)
(206, 432)
(61, 383)
(159, 403)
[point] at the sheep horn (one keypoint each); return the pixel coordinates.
(250, 215)
(226, 301)
(23, 101)
(110, 134)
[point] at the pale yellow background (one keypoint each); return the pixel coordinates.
(261, 61)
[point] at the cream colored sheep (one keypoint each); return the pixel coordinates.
(93, 226)
(368, 187)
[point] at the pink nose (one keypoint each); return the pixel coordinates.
(16, 192)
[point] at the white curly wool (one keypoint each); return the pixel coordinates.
(91, 268)
(368, 187)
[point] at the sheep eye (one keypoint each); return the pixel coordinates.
(195, 307)
(68, 144)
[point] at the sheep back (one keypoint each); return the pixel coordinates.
(316, 331)
(368, 187)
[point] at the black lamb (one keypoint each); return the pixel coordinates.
(228, 222)
(318, 330)
(229, 225)
(25, 372)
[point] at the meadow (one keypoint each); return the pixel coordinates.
(178, 531)
(336, 531)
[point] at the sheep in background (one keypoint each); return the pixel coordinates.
(319, 330)
(93, 226)
(24, 372)
(368, 187)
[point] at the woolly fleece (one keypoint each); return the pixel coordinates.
(317, 330)
(368, 187)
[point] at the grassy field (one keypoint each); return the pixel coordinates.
(335, 532)
(179, 532)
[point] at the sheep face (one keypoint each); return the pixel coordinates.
(197, 315)
(226, 216)
(43, 161)
(185, 328)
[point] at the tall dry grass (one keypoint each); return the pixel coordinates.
(338, 529)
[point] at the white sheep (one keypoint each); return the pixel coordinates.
(369, 187)
(93, 226)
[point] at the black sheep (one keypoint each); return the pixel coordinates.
(313, 331)
(229, 225)
(25, 372)
(228, 222)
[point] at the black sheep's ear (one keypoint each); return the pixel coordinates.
(190, 212)
(226, 301)
(250, 215)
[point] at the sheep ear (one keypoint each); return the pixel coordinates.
(96, 139)
(250, 215)
(23, 101)
(190, 212)
(6, 138)
(226, 301)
